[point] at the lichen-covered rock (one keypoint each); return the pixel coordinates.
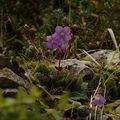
(76, 67)
(109, 57)
(8, 79)
(118, 109)
(110, 117)
(10, 92)
(113, 117)
(11, 64)
(116, 103)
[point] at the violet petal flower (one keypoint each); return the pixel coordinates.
(67, 30)
(58, 29)
(63, 33)
(63, 48)
(52, 42)
(98, 100)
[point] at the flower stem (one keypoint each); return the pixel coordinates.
(101, 113)
(59, 61)
(101, 117)
(90, 105)
(95, 115)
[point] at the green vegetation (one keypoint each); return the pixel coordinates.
(56, 93)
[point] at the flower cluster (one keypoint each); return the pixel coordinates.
(98, 100)
(59, 39)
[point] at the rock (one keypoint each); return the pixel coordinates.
(8, 79)
(116, 103)
(3, 61)
(12, 76)
(111, 60)
(11, 64)
(10, 92)
(118, 109)
(116, 106)
(109, 57)
(111, 117)
(76, 67)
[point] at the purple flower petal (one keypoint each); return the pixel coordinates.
(64, 47)
(60, 42)
(55, 36)
(58, 29)
(59, 39)
(52, 42)
(99, 104)
(98, 100)
(48, 45)
(49, 38)
(67, 37)
(102, 99)
(67, 30)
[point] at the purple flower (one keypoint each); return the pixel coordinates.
(63, 33)
(98, 100)
(63, 47)
(53, 42)
(59, 39)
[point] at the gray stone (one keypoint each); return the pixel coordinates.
(114, 117)
(116, 103)
(8, 79)
(118, 109)
(76, 67)
(109, 57)
(10, 92)
(111, 117)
